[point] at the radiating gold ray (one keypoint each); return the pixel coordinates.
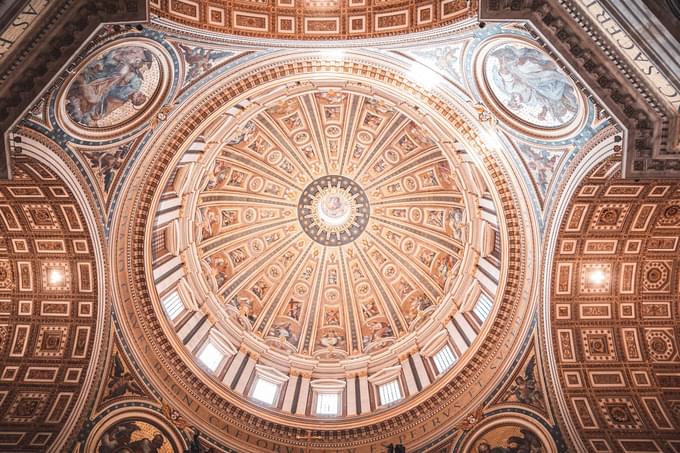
(351, 121)
(387, 298)
(307, 331)
(311, 110)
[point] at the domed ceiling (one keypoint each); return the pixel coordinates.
(328, 244)
(330, 225)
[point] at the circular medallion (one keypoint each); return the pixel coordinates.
(134, 435)
(113, 87)
(115, 90)
(133, 429)
(333, 210)
(509, 433)
(530, 85)
(526, 88)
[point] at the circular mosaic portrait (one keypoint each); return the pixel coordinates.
(528, 88)
(132, 436)
(509, 434)
(509, 439)
(115, 89)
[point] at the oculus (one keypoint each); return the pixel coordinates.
(333, 210)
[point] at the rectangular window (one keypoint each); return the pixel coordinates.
(265, 391)
(211, 356)
(327, 404)
(444, 359)
(171, 181)
(158, 248)
(389, 392)
(496, 252)
(173, 305)
(483, 307)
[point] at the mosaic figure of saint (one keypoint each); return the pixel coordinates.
(245, 307)
(118, 439)
(529, 82)
(294, 308)
(219, 268)
(456, 220)
(108, 83)
(418, 304)
(284, 331)
(525, 442)
(378, 330)
(331, 339)
(444, 267)
(208, 224)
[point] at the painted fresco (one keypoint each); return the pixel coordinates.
(134, 437)
(447, 59)
(541, 163)
(529, 84)
(509, 439)
(113, 87)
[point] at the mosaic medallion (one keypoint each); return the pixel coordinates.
(517, 435)
(114, 86)
(115, 90)
(134, 435)
(333, 210)
(528, 90)
(531, 86)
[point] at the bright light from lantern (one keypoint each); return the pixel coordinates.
(597, 277)
(491, 139)
(334, 208)
(55, 276)
(333, 54)
(424, 76)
